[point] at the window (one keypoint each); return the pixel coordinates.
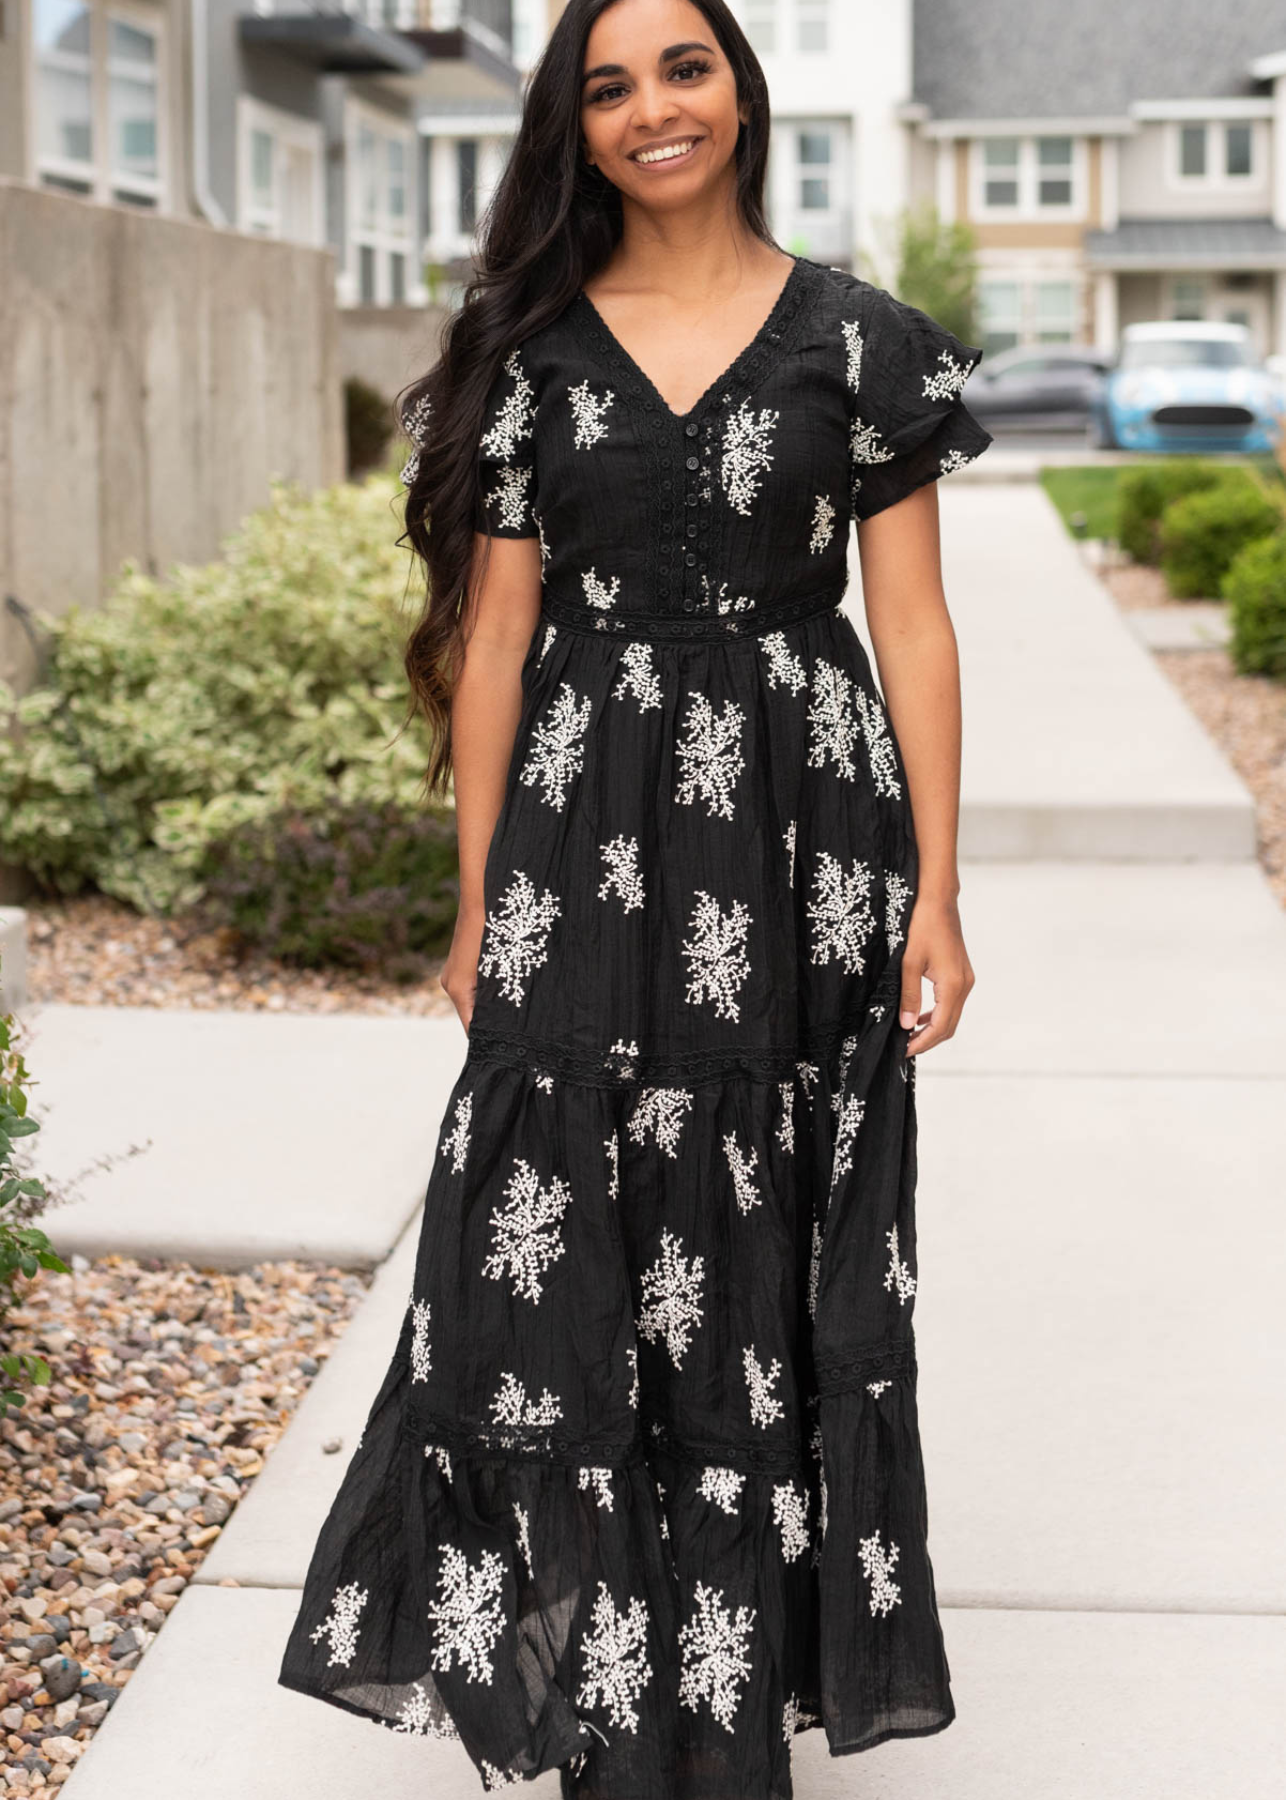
(132, 110)
(383, 207)
(814, 150)
(761, 26)
(466, 152)
(813, 22)
(1212, 153)
(1001, 307)
(1000, 159)
(1028, 178)
(279, 173)
(1054, 160)
(1055, 312)
(1188, 299)
(64, 93)
(1027, 310)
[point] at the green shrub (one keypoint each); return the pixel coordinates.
(1255, 589)
(1142, 495)
(368, 425)
(1202, 533)
(363, 887)
(24, 1249)
(186, 709)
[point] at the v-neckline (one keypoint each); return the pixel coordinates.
(641, 375)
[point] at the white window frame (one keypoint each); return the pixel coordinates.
(1028, 208)
(1030, 331)
(762, 25)
(383, 239)
(99, 175)
(1215, 179)
(814, 12)
(292, 132)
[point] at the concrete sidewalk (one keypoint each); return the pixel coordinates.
(1101, 1253)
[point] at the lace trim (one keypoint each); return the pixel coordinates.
(657, 625)
(613, 1069)
(888, 1361)
(524, 1443)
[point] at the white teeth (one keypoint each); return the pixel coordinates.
(670, 151)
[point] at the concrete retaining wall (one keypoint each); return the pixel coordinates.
(389, 346)
(154, 374)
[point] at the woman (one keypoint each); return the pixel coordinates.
(641, 1494)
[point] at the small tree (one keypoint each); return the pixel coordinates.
(24, 1249)
(934, 265)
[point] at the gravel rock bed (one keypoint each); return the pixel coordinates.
(1244, 714)
(171, 1384)
(92, 951)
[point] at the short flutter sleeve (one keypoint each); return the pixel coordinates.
(507, 455)
(909, 424)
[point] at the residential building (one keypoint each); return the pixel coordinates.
(1116, 164)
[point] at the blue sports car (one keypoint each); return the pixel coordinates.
(1181, 384)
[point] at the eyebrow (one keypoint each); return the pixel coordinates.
(675, 50)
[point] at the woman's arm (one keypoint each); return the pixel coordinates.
(485, 708)
(914, 644)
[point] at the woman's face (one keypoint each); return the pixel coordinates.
(659, 106)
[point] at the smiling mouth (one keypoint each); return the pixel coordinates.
(666, 153)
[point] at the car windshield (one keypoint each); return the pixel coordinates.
(1184, 353)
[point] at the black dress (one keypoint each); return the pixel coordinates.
(641, 1494)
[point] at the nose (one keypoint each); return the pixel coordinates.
(655, 105)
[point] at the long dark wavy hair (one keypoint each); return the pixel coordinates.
(552, 223)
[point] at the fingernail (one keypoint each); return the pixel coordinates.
(908, 1020)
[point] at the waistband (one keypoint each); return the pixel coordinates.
(705, 622)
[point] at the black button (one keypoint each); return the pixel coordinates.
(692, 499)
(688, 605)
(691, 429)
(694, 462)
(691, 559)
(693, 529)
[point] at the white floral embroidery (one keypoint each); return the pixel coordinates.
(419, 1718)
(840, 912)
(788, 838)
(622, 1052)
(710, 756)
(509, 496)
(415, 424)
(660, 1501)
(823, 525)
(493, 1778)
(896, 894)
(512, 1407)
(877, 1387)
(551, 632)
(637, 676)
(764, 1404)
(746, 455)
(877, 1566)
(783, 664)
(723, 1488)
(632, 1357)
(819, 1451)
(716, 954)
(588, 410)
(953, 460)
(727, 602)
(614, 1660)
(457, 1140)
(612, 1146)
(899, 1273)
(715, 1652)
(623, 875)
(790, 1717)
(662, 1112)
(517, 417)
(545, 554)
(439, 1454)
(851, 1113)
(814, 1269)
(743, 1168)
(516, 939)
(846, 1056)
(421, 1359)
(542, 1079)
(340, 1625)
(879, 745)
(523, 1520)
(865, 447)
(853, 345)
(601, 1482)
(524, 1234)
(807, 1072)
(790, 1514)
(672, 1298)
(831, 717)
(786, 1124)
(949, 378)
(556, 752)
(597, 592)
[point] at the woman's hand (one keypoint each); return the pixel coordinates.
(460, 970)
(934, 947)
